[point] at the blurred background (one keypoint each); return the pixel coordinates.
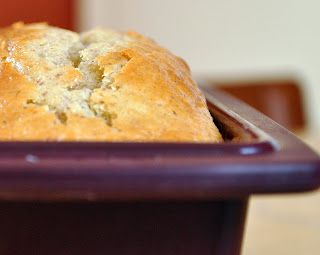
(263, 52)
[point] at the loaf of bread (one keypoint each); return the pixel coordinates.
(102, 85)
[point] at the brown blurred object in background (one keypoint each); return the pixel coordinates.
(58, 12)
(280, 99)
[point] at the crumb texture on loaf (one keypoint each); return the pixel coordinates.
(100, 85)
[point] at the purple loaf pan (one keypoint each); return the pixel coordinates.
(148, 198)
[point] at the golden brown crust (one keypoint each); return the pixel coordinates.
(152, 98)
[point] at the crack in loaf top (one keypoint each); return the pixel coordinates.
(100, 85)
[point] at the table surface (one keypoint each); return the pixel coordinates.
(286, 224)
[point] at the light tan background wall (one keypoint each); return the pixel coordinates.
(227, 38)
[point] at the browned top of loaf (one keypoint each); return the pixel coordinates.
(99, 86)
